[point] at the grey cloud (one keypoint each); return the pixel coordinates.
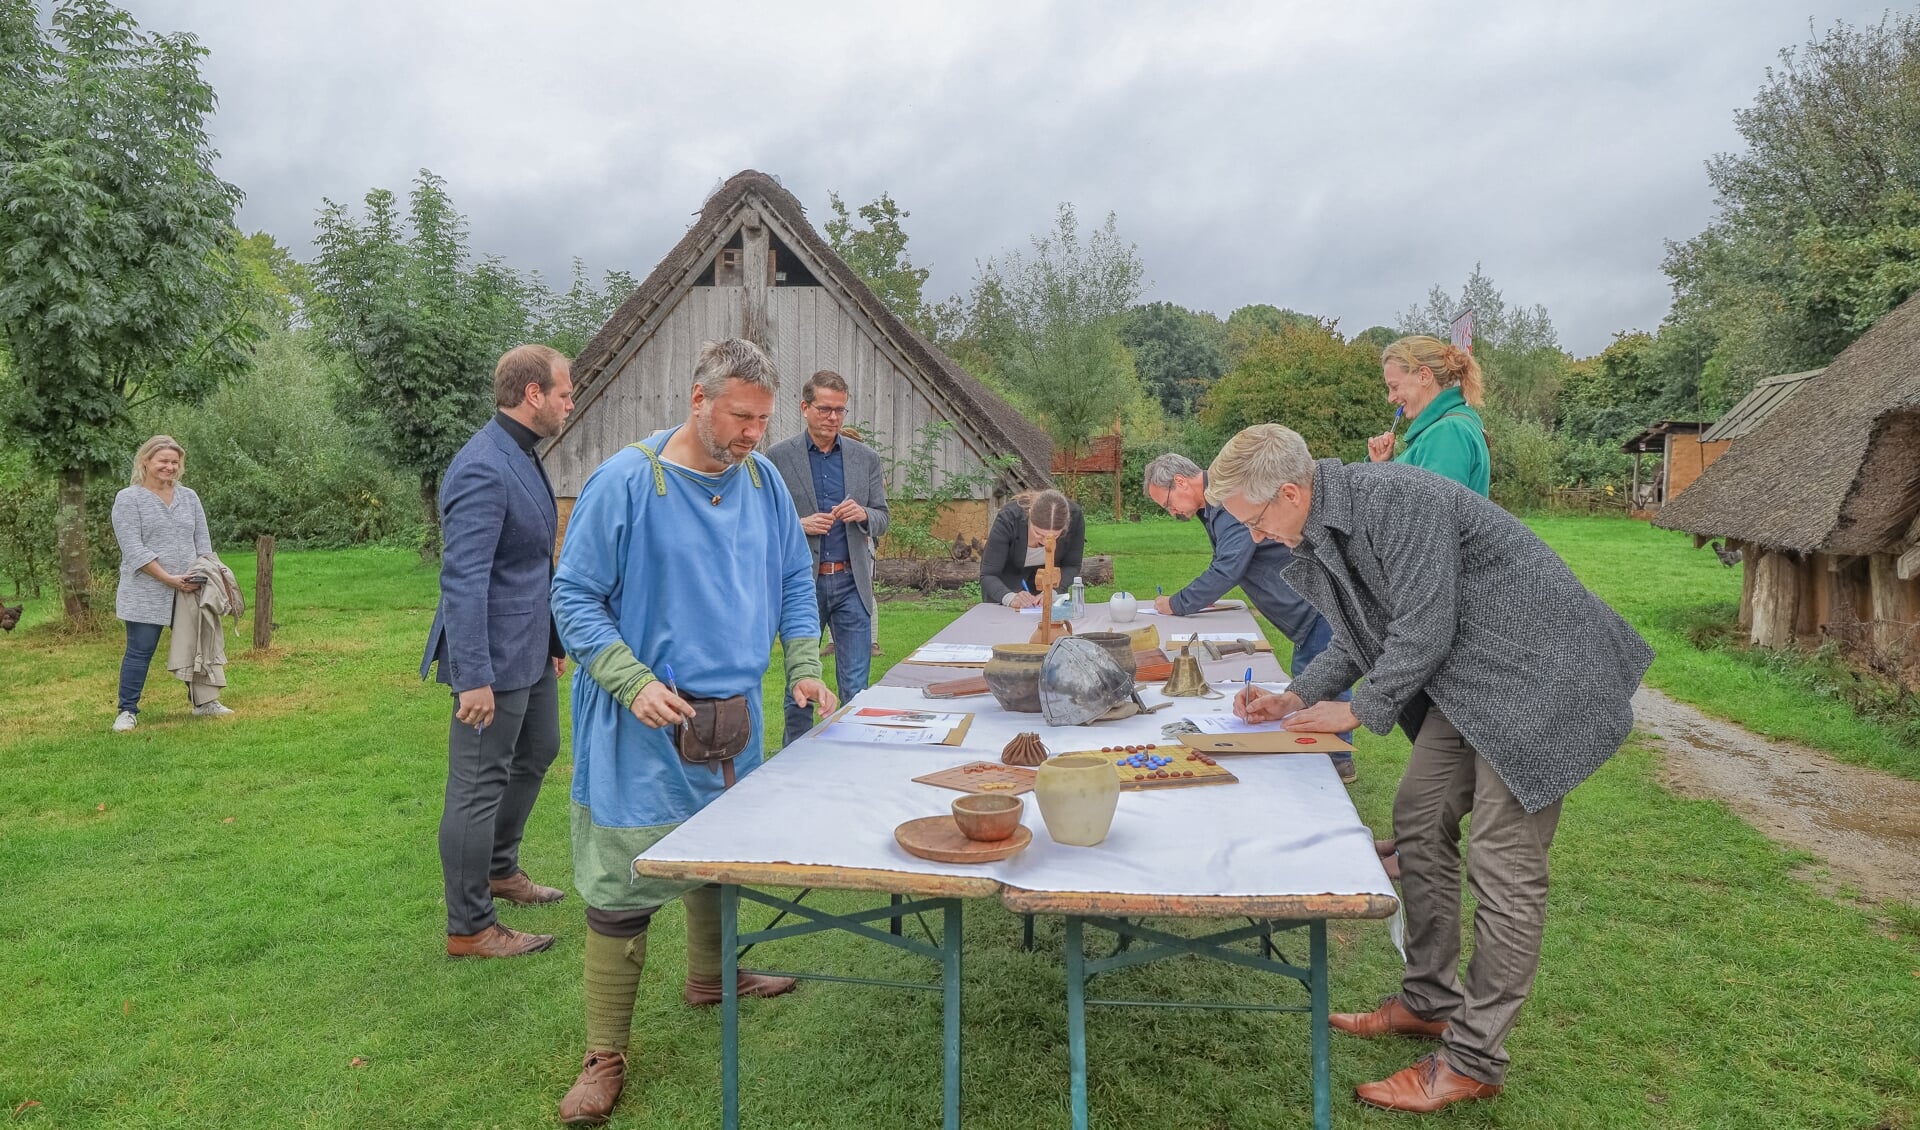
(1338, 159)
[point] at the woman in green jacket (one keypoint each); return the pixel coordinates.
(1438, 387)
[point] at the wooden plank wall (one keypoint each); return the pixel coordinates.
(809, 330)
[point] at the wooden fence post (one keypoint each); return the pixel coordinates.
(263, 593)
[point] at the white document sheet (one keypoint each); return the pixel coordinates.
(952, 653)
(883, 735)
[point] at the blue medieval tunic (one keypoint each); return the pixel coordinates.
(651, 561)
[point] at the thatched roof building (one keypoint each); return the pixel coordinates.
(752, 266)
(1823, 498)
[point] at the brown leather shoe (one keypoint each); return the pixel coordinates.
(496, 941)
(702, 992)
(1393, 1017)
(1427, 1086)
(591, 1098)
(522, 891)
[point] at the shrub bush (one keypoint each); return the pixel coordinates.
(273, 454)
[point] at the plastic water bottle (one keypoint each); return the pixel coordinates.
(1077, 605)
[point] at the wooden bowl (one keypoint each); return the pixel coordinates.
(987, 817)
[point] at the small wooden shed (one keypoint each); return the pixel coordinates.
(1822, 496)
(1684, 453)
(752, 266)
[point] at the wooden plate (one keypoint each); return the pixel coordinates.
(938, 838)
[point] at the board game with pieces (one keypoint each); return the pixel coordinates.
(1154, 766)
(982, 777)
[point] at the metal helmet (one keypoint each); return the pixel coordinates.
(1079, 682)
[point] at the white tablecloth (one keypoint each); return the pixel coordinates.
(1287, 828)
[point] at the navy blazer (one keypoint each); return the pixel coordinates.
(494, 624)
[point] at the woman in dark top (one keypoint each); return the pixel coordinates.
(1016, 548)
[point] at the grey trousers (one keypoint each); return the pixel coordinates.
(1507, 871)
(493, 778)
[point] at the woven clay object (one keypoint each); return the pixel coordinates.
(1024, 749)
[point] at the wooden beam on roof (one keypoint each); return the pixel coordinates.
(753, 267)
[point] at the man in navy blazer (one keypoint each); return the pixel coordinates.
(494, 639)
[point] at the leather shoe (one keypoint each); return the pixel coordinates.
(496, 941)
(522, 891)
(1427, 1086)
(702, 992)
(1393, 1017)
(588, 1102)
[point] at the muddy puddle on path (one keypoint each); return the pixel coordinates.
(1862, 824)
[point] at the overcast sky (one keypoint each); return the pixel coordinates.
(1334, 158)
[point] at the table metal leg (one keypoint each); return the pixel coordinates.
(729, 1007)
(1026, 932)
(894, 927)
(1076, 1022)
(950, 977)
(1322, 1060)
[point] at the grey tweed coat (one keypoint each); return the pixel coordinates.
(1442, 599)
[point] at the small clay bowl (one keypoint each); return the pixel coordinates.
(987, 817)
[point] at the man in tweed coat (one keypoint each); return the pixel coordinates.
(1514, 682)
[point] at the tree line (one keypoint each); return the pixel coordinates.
(326, 396)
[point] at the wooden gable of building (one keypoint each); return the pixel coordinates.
(752, 267)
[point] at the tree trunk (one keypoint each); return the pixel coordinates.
(430, 505)
(76, 573)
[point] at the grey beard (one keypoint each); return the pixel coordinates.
(718, 452)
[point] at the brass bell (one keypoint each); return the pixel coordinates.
(1187, 680)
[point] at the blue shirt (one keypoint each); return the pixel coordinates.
(650, 561)
(829, 491)
(1237, 560)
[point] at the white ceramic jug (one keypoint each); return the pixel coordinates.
(1121, 606)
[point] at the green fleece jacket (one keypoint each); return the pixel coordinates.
(1448, 438)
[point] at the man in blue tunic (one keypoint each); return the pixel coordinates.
(683, 561)
(1177, 485)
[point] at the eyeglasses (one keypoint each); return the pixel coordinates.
(1253, 526)
(840, 411)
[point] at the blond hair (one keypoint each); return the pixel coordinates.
(1257, 462)
(157, 443)
(1449, 364)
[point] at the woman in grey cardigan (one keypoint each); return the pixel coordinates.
(162, 531)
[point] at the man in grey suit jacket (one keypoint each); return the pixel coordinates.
(840, 489)
(1514, 682)
(494, 639)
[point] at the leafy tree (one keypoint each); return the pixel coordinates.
(1308, 378)
(568, 320)
(1050, 324)
(1249, 324)
(878, 254)
(1178, 352)
(1517, 348)
(282, 285)
(1376, 337)
(1818, 226)
(421, 325)
(118, 280)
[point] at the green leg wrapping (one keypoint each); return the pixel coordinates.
(613, 978)
(703, 932)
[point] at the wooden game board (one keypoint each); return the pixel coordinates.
(983, 777)
(1205, 770)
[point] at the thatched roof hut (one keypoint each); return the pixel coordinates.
(1823, 497)
(752, 266)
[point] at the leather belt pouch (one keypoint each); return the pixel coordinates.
(719, 731)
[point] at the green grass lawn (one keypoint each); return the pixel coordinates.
(209, 923)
